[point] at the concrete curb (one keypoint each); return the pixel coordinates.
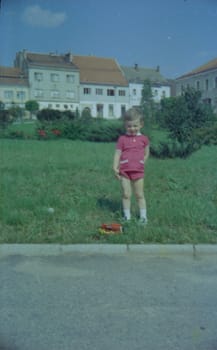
(149, 249)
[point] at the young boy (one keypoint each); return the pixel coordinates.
(132, 151)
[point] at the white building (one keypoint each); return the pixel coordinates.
(53, 79)
(71, 82)
(204, 79)
(137, 75)
(14, 87)
(104, 89)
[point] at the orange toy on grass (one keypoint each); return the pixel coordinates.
(111, 228)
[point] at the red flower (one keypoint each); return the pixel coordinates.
(42, 133)
(56, 132)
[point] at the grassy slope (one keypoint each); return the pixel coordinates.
(75, 179)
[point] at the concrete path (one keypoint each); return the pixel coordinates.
(89, 300)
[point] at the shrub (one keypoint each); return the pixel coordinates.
(16, 112)
(16, 134)
(49, 130)
(183, 115)
(86, 113)
(74, 130)
(49, 115)
(32, 106)
(208, 135)
(98, 130)
(70, 115)
(174, 149)
(5, 119)
(53, 123)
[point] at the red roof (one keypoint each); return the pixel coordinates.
(12, 76)
(99, 70)
(50, 60)
(204, 68)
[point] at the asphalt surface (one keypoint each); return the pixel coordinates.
(108, 300)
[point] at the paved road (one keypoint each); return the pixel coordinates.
(129, 301)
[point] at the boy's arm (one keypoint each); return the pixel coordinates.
(116, 163)
(147, 152)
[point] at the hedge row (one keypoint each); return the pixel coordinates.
(55, 124)
(97, 130)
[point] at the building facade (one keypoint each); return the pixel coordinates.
(73, 82)
(103, 87)
(203, 79)
(136, 76)
(53, 79)
(14, 87)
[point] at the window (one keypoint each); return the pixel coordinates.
(207, 84)
(70, 94)
(54, 93)
(122, 93)
(163, 94)
(111, 111)
(99, 91)
(54, 77)
(70, 78)
(155, 92)
(38, 76)
(87, 91)
(99, 110)
(38, 93)
(8, 95)
(21, 95)
(198, 85)
(110, 92)
(123, 110)
(134, 92)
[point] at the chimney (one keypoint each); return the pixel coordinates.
(24, 54)
(158, 69)
(136, 66)
(69, 57)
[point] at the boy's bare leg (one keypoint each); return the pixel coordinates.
(138, 187)
(126, 196)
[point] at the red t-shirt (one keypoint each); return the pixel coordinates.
(132, 151)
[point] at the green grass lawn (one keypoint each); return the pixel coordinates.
(75, 178)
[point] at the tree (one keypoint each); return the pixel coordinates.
(49, 115)
(189, 122)
(5, 119)
(16, 112)
(184, 115)
(32, 106)
(2, 106)
(173, 116)
(147, 104)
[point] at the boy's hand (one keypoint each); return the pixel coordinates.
(116, 172)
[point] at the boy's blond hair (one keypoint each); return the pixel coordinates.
(133, 114)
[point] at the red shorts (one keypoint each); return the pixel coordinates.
(132, 175)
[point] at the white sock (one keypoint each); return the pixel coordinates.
(143, 214)
(127, 214)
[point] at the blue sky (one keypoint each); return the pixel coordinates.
(177, 35)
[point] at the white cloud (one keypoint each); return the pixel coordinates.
(38, 17)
